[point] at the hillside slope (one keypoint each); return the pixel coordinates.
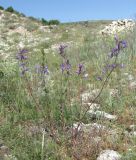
(17, 31)
(67, 92)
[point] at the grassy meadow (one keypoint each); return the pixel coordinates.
(42, 88)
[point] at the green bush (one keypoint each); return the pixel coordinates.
(22, 14)
(33, 18)
(51, 22)
(1, 8)
(54, 22)
(10, 9)
(16, 12)
(44, 22)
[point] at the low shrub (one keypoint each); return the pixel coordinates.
(54, 22)
(44, 22)
(1, 8)
(10, 9)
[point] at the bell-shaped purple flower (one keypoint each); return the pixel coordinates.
(41, 69)
(123, 44)
(80, 69)
(62, 50)
(66, 67)
(119, 45)
(45, 70)
(21, 55)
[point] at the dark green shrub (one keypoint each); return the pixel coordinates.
(1, 8)
(33, 18)
(10, 9)
(54, 22)
(44, 22)
(22, 14)
(16, 12)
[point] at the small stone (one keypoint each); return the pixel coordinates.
(9, 157)
(132, 85)
(89, 128)
(101, 115)
(114, 92)
(21, 45)
(132, 127)
(86, 96)
(93, 128)
(90, 95)
(130, 77)
(77, 126)
(130, 134)
(4, 149)
(133, 134)
(109, 155)
(125, 74)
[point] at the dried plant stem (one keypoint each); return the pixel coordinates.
(43, 137)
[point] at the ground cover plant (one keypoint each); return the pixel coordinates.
(66, 93)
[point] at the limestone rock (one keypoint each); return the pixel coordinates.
(109, 155)
(118, 26)
(132, 85)
(89, 95)
(90, 128)
(102, 115)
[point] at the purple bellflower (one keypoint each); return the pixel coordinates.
(119, 45)
(21, 57)
(41, 69)
(62, 50)
(66, 67)
(80, 69)
(45, 70)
